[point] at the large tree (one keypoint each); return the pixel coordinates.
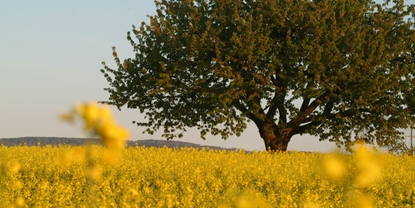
(329, 68)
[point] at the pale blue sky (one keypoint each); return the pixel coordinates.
(50, 59)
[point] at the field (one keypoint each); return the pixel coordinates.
(68, 176)
(114, 176)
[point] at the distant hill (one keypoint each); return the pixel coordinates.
(56, 141)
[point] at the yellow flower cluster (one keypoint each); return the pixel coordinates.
(164, 177)
(334, 167)
(98, 121)
(9, 181)
(367, 168)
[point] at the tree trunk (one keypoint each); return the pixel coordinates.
(275, 139)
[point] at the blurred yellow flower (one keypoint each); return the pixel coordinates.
(91, 115)
(99, 122)
(67, 117)
(334, 167)
(66, 159)
(17, 185)
(112, 135)
(93, 173)
(20, 201)
(362, 201)
(369, 167)
(14, 167)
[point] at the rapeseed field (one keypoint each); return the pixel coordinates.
(114, 176)
(67, 176)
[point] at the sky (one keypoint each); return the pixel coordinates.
(50, 60)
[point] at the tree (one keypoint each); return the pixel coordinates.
(328, 68)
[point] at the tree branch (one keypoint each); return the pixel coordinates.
(304, 128)
(313, 105)
(317, 120)
(328, 108)
(277, 103)
(306, 111)
(305, 104)
(238, 105)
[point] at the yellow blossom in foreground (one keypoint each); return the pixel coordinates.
(362, 201)
(17, 185)
(93, 173)
(67, 117)
(14, 167)
(98, 121)
(334, 167)
(369, 167)
(20, 201)
(112, 135)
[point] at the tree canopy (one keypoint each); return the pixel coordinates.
(329, 68)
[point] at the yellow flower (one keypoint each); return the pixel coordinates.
(112, 135)
(90, 113)
(311, 205)
(94, 172)
(20, 201)
(66, 159)
(369, 167)
(105, 113)
(17, 185)
(334, 167)
(67, 117)
(14, 167)
(99, 122)
(133, 192)
(362, 201)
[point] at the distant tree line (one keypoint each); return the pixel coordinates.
(56, 141)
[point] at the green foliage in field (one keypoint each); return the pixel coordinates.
(162, 177)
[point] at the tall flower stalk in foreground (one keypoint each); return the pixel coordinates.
(98, 121)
